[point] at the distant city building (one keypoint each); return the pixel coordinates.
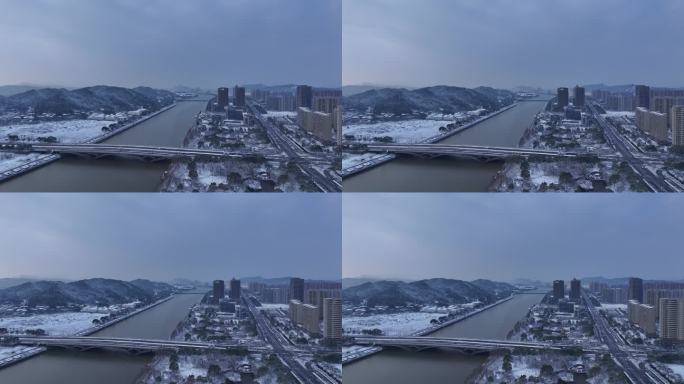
(219, 291)
(575, 289)
(332, 319)
(563, 97)
(677, 125)
(326, 100)
(643, 315)
(297, 289)
(235, 289)
(665, 104)
(223, 98)
(579, 97)
(642, 96)
(337, 124)
(280, 102)
(654, 291)
(319, 124)
(239, 96)
(671, 319)
(635, 289)
(305, 315)
(558, 289)
(614, 295)
(275, 295)
(317, 297)
(597, 287)
(653, 123)
(304, 95)
(620, 102)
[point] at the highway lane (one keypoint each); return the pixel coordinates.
(285, 144)
(287, 355)
(616, 141)
(605, 335)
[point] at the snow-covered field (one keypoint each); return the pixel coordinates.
(397, 324)
(71, 131)
(57, 324)
(10, 160)
(6, 352)
(403, 132)
(677, 369)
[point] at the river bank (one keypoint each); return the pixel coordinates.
(382, 159)
(28, 352)
(47, 159)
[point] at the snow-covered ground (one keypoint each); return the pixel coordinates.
(281, 114)
(614, 306)
(350, 160)
(403, 132)
(396, 324)
(56, 324)
(6, 352)
(71, 131)
(619, 113)
(10, 160)
(274, 306)
(678, 369)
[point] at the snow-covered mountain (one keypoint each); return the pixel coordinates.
(98, 98)
(91, 292)
(432, 291)
(444, 99)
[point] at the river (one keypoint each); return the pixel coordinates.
(114, 175)
(445, 174)
(101, 367)
(436, 366)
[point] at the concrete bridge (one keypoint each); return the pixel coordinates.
(468, 346)
(133, 346)
(478, 152)
(140, 152)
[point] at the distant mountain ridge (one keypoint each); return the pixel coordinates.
(98, 98)
(441, 292)
(84, 292)
(442, 99)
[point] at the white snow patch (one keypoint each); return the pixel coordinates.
(70, 131)
(55, 324)
(404, 132)
(396, 324)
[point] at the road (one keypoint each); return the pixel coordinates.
(304, 160)
(616, 141)
(281, 347)
(617, 349)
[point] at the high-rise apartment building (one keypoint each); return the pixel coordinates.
(653, 123)
(643, 315)
(304, 96)
(235, 289)
(297, 289)
(575, 289)
(223, 99)
(558, 289)
(332, 319)
(219, 291)
(677, 124)
(635, 289)
(563, 97)
(579, 96)
(239, 99)
(671, 319)
(642, 96)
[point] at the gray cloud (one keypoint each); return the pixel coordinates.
(470, 236)
(506, 43)
(128, 236)
(165, 43)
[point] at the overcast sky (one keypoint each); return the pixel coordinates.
(505, 237)
(506, 43)
(167, 43)
(162, 237)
